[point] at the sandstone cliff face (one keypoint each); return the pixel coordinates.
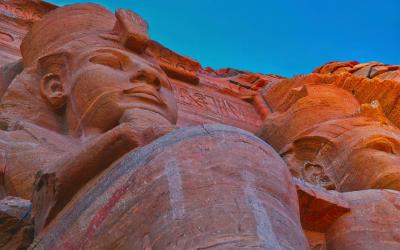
(110, 140)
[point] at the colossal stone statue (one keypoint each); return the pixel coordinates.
(84, 97)
(315, 121)
(105, 144)
(94, 88)
(330, 137)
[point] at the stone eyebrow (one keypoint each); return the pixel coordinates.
(115, 55)
(111, 51)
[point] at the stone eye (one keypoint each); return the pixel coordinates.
(107, 60)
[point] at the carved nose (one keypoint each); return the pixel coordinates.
(149, 76)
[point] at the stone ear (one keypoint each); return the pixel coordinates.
(52, 88)
(53, 71)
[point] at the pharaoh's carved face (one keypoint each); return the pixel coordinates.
(106, 82)
(353, 154)
(373, 162)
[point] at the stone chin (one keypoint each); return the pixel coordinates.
(153, 102)
(136, 111)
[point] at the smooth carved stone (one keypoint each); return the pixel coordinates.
(180, 69)
(386, 91)
(373, 222)
(366, 219)
(314, 119)
(24, 150)
(370, 160)
(319, 208)
(183, 191)
(7, 73)
(304, 107)
(89, 118)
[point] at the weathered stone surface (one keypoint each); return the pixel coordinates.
(184, 192)
(368, 70)
(16, 17)
(316, 240)
(319, 208)
(16, 228)
(366, 219)
(97, 132)
(373, 222)
(304, 107)
(215, 100)
(7, 73)
(329, 136)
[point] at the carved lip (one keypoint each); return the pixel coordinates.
(146, 92)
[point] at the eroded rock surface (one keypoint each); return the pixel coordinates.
(16, 227)
(109, 140)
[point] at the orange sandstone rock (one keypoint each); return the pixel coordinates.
(103, 133)
(184, 192)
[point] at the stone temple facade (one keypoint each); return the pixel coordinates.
(109, 140)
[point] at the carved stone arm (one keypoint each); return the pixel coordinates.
(56, 185)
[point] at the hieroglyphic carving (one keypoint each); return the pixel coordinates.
(116, 108)
(208, 102)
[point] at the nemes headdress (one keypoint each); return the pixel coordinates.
(84, 25)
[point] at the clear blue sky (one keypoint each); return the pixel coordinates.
(285, 37)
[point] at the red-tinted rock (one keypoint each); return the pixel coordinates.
(7, 73)
(184, 192)
(16, 17)
(371, 224)
(16, 228)
(88, 133)
(304, 107)
(319, 208)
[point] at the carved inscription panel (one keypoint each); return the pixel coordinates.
(199, 105)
